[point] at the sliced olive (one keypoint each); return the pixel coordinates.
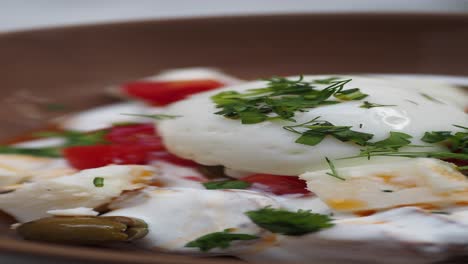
(84, 230)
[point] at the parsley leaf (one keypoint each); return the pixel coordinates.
(213, 185)
(98, 181)
(350, 94)
(317, 130)
(436, 136)
(218, 240)
(289, 223)
(457, 142)
(333, 173)
(72, 138)
(369, 105)
(52, 152)
(430, 98)
(395, 141)
(76, 138)
(281, 99)
(392, 143)
(154, 116)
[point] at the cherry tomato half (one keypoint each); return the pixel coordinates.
(279, 184)
(166, 92)
(138, 134)
(86, 157)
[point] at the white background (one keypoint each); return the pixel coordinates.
(26, 14)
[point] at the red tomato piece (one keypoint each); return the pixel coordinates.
(144, 135)
(166, 92)
(279, 184)
(130, 144)
(86, 157)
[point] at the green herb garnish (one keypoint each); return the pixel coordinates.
(430, 98)
(76, 138)
(350, 94)
(411, 101)
(51, 152)
(369, 105)
(218, 240)
(315, 131)
(333, 172)
(458, 142)
(289, 223)
(390, 147)
(281, 99)
(98, 182)
(436, 136)
(72, 138)
(392, 143)
(155, 116)
(213, 185)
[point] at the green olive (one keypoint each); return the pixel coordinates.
(84, 230)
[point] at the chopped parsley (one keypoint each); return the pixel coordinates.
(436, 136)
(430, 98)
(411, 101)
(289, 223)
(51, 152)
(72, 138)
(98, 182)
(155, 116)
(281, 99)
(317, 130)
(218, 240)
(77, 138)
(351, 94)
(333, 172)
(457, 142)
(213, 185)
(394, 142)
(369, 105)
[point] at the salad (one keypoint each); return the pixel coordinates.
(325, 168)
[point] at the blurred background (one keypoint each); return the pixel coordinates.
(27, 14)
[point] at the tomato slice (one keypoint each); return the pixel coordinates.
(166, 92)
(139, 134)
(129, 144)
(86, 157)
(279, 184)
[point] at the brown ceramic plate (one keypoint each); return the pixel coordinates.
(71, 65)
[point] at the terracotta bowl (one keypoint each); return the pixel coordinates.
(71, 65)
